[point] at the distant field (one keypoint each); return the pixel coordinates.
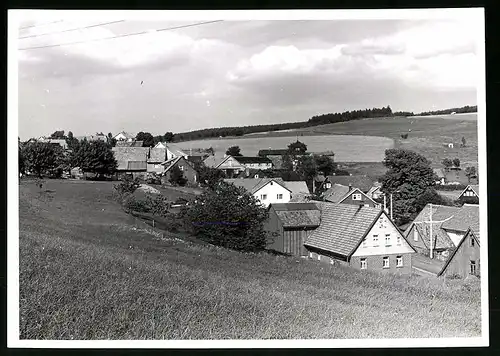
(86, 272)
(347, 148)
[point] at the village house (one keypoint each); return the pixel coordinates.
(185, 167)
(440, 176)
(465, 259)
(470, 194)
(266, 190)
(375, 192)
(363, 182)
(360, 237)
(449, 226)
(96, 137)
(341, 194)
(131, 161)
(289, 225)
(124, 136)
(156, 156)
(233, 166)
(55, 141)
(300, 191)
(173, 151)
(133, 143)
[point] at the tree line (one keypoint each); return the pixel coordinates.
(462, 110)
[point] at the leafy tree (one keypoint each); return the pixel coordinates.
(39, 157)
(297, 148)
(230, 217)
(408, 176)
(470, 172)
(447, 163)
(177, 176)
(146, 138)
(456, 162)
(21, 160)
(208, 176)
(463, 141)
(287, 162)
(111, 140)
(58, 135)
(127, 185)
(71, 141)
(234, 151)
(325, 164)
(95, 157)
(307, 169)
(168, 137)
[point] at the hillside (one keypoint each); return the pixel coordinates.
(99, 276)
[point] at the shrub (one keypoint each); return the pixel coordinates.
(404, 136)
(131, 203)
(450, 187)
(127, 185)
(157, 204)
(228, 216)
(153, 178)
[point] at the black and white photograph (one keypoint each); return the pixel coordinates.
(229, 179)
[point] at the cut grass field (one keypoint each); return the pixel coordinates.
(87, 273)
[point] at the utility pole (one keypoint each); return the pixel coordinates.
(431, 239)
(391, 206)
(385, 205)
(430, 221)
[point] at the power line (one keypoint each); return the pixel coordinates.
(72, 29)
(120, 36)
(39, 25)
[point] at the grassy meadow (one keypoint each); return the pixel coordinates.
(87, 272)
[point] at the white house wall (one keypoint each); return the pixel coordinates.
(382, 227)
(272, 192)
(259, 165)
(231, 163)
(455, 236)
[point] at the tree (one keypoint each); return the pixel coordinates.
(325, 164)
(456, 162)
(287, 163)
(470, 172)
(297, 148)
(21, 160)
(168, 137)
(111, 140)
(146, 138)
(39, 157)
(230, 217)
(234, 151)
(447, 163)
(408, 176)
(71, 141)
(177, 176)
(95, 157)
(463, 141)
(58, 135)
(208, 176)
(307, 169)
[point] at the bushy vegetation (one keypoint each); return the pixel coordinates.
(448, 187)
(155, 204)
(127, 185)
(462, 110)
(40, 158)
(228, 216)
(177, 176)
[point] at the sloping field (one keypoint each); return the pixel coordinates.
(87, 273)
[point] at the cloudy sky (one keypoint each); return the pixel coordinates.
(233, 72)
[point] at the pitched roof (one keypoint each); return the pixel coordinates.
(176, 150)
(248, 160)
(271, 152)
(474, 187)
(128, 135)
(441, 238)
(439, 172)
(129, 143)
(450, 258)
(157, 154)
(297, 187)
(123, 155)
(359, 181)
(343, 226)
(336, 193)
(358, 192)
(137, 165)
(294, 206)
(212, 161)
(467, 217)
(171, 162)
(299, 218)
(253, 185)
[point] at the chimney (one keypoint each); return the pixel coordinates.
(350, 186)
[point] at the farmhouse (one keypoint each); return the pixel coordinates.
(266, 190)
(359, 181)
(156, 157)
(440, 176)
(124, 136)
(174, 151)
(449, 225)
(184, 165)
(232, 166)
(131, 161)
(289, 225)
(465, 260)
(470, 194)
(341, 194)
(375, 192)
(360, 237)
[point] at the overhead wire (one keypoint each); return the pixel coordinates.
(39, 25)
(121, 36)
(71, 29)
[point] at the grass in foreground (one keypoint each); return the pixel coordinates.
(87, 273)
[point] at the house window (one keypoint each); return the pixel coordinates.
(328, 185)
(319, 257)
(387, 239)
(399, 261)
(375, 240)
(280, 196)
(415, 234)
(473, 267)
(181, 168)
(256, 176)
(331, 261)
(356, 197)
(385, 262)
(362, 263)
(271, 183)
(263, 196)
(398, 240)
(471, 242)
(310, 255)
